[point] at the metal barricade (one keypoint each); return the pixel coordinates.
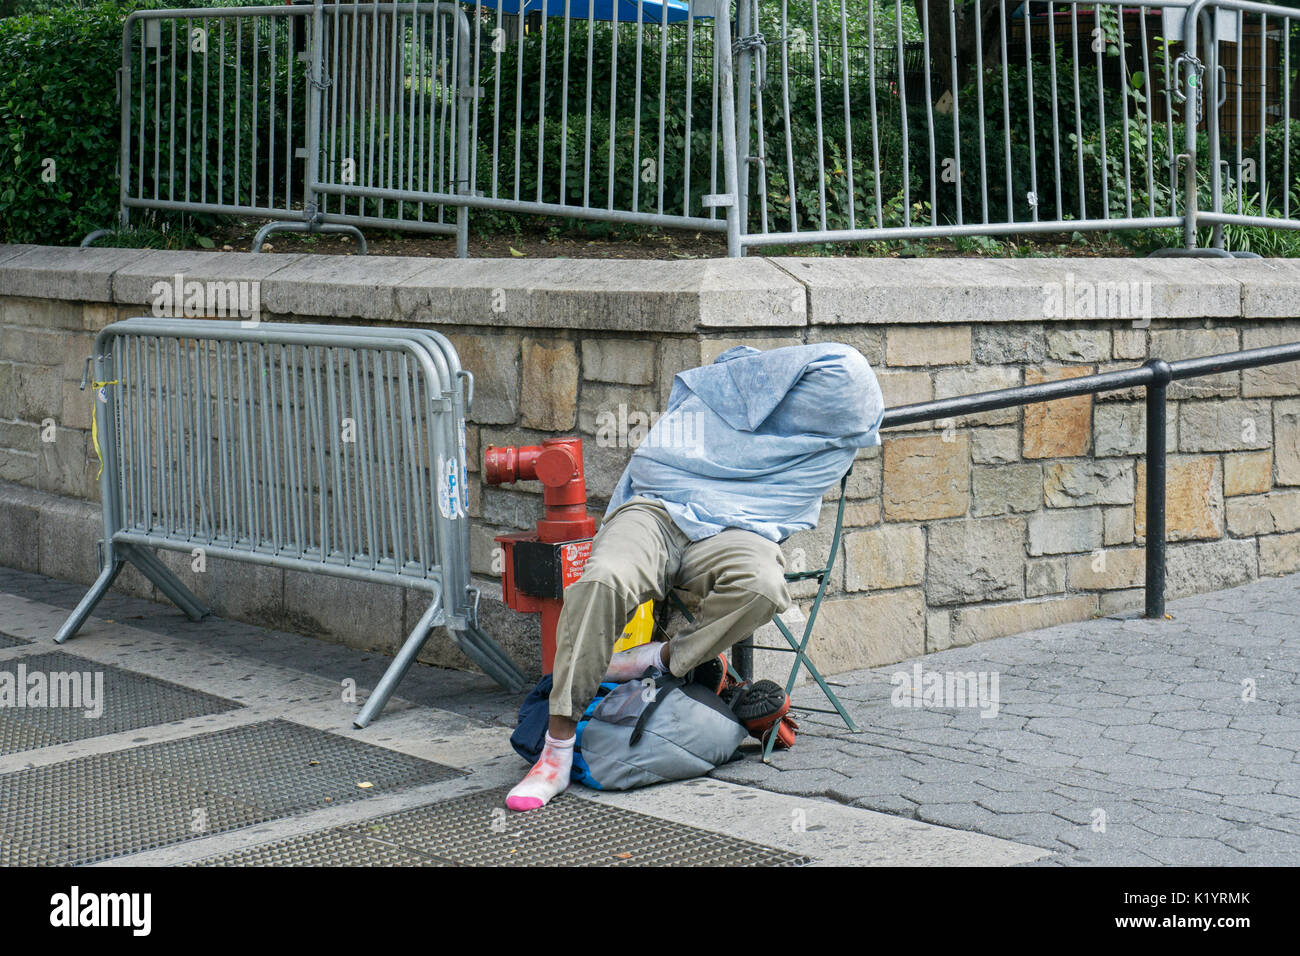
(326, 449)
(814, 123)
(1245, 74)
(977, 131)
(325, 117)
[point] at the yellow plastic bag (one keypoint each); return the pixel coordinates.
(639, 630)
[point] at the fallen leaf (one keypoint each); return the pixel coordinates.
(365, 785)
(515, 252)
(623, 856)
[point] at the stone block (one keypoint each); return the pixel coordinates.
(1247, 473)
(1065, 531)
(1059, 429)
(886, 557)
(1286, 438)
(1074, 484)
(950, 383)
(1173, 344)
(1007, 488)
(1209, 566)
(1232, 425)
(1276, 511)
(1108, 569)
(976, 560)
(1272, 381)
(1117, 526)
(1130, 343)
(1193, 498)
(983, 623)
(926, 477)
(1121, 429)
(620, 361)
(867, 631)
(995, 446)
(1045, 576)
(927, 345)
(493, 358)
(1078, 345)
(1279, 554)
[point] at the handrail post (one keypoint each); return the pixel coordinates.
(1155, 490)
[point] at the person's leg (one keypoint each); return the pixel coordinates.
(632, 559)
(739, 578)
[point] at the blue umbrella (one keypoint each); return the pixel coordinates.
(625, 11)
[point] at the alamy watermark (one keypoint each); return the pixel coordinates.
(75, 690)
(946, 689)
(622, 427)
(208, 298)
(1084, 299)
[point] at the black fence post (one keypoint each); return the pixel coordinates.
(1155, 491)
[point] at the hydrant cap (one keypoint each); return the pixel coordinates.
(555, 466)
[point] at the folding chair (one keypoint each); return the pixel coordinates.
(799, 647)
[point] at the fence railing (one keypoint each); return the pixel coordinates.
(780, 123)
(324, 449)
(1155, 377)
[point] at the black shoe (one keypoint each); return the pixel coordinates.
(712, 674)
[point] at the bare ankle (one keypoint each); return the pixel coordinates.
(562, 728)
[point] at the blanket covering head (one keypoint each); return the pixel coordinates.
(756, 439)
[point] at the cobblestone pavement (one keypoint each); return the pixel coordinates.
(1116, 741)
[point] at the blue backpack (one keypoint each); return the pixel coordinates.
(645, 731)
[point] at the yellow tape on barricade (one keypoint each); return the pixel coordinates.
(94, 423)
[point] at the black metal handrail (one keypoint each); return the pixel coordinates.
(1155, 376)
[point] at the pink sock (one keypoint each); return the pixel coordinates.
(548, 778)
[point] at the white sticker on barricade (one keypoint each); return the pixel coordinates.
(449, 500)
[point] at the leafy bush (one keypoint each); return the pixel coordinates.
(58, 105)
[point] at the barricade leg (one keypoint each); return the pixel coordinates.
(504, 671)
(168, 583)
(397, 670)
(87, 604)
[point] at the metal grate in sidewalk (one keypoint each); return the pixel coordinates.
(107, 805)
(477, 830)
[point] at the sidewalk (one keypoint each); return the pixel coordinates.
(1138, 725)
(1114, 741)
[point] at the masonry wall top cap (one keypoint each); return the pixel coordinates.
(683, 296)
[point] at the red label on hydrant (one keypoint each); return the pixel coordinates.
(573, 559)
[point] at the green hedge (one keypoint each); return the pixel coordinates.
(58, 102)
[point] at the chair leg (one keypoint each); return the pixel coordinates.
(801, 657)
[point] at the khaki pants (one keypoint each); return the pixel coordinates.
(737, 576)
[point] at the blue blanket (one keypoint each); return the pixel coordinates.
(756, 439)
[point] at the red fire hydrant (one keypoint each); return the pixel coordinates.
(538, 565)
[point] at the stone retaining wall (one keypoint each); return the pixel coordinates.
(993, 524)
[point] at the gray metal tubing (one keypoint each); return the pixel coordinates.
(308, 227)
(87, 604)
(439, 351)
(395, 90)
(268, 379)
(406, 656)
(970, 229)
(600, 213)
